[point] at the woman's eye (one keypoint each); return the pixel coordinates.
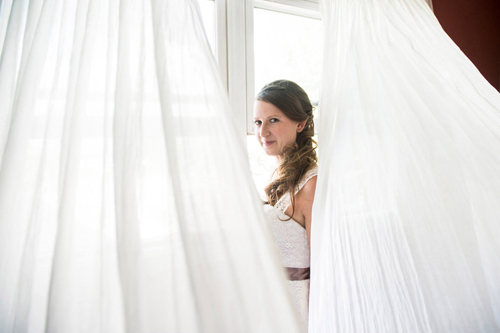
(274, 120)
(257, 122)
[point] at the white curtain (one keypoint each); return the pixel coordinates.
(126, 202)
(406, 219)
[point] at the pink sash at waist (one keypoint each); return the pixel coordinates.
(297, 274)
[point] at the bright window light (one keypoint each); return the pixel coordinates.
(288, 47)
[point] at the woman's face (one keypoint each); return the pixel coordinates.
(273, 129)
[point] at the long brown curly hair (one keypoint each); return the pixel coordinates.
(300, 157)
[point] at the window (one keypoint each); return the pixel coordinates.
(256, 42)
(287, 44)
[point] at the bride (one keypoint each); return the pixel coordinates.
(284, 127)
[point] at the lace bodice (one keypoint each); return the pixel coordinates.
(290, 236)
(293, 245)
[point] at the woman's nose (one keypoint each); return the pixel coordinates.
(264, 131)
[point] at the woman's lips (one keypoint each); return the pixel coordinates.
(268, 143)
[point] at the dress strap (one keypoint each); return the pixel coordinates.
(285, 200)
(309, 174)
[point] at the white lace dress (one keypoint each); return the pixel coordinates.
(293, 247)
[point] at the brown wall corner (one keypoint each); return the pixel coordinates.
(475, 27)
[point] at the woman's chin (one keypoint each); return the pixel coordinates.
(271, 152)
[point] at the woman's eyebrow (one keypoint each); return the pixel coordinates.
(271, 116)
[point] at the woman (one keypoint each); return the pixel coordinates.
(284, 127)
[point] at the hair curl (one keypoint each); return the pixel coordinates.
(301, 156)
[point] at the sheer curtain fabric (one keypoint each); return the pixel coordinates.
(126, 202)
(406, 232)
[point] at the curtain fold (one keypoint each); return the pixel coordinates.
(406, 234)
(126, 202)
